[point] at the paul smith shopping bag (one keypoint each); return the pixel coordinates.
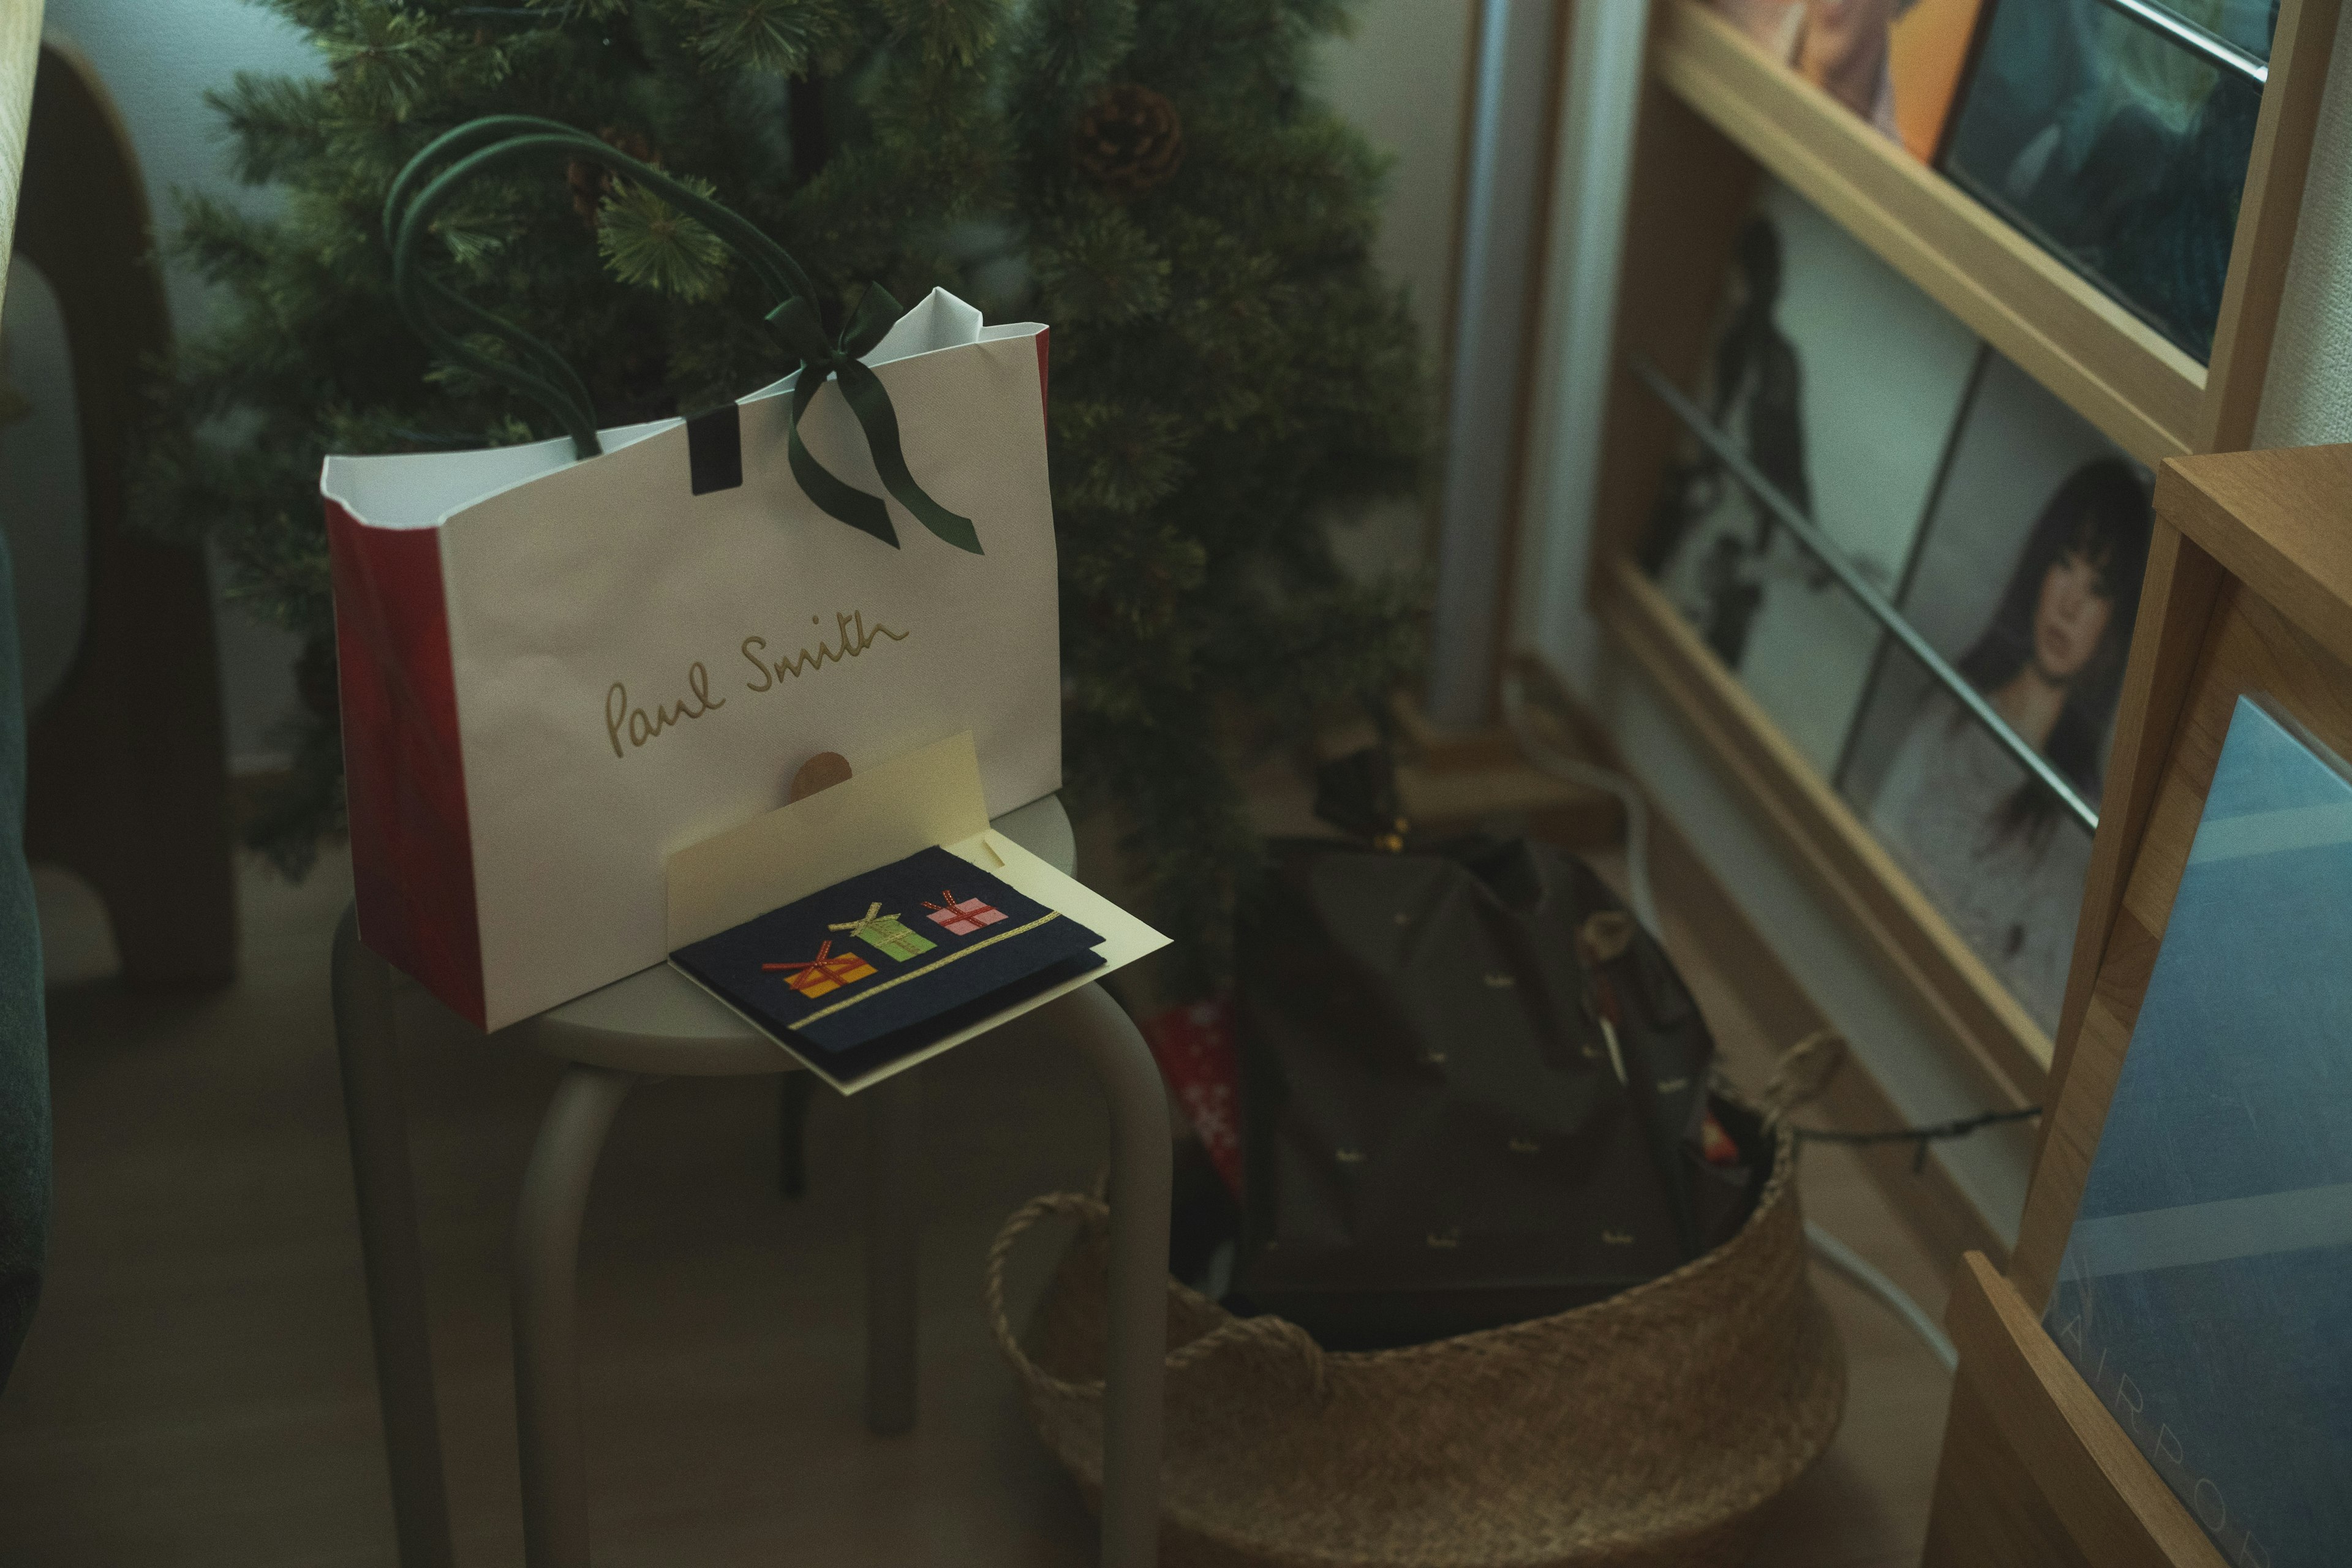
(558, 669)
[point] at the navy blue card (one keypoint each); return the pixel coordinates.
(885, 964)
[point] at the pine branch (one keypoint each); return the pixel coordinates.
(779, 37)
(949, 32)
(1100, 265)
(277, 124)
(646, 240)
(1068, 50)
(385, 56)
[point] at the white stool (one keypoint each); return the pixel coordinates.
(656, 1025)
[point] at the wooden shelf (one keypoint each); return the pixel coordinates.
(2144, 393)
(2073, 1491)
(2249, 592)
(1715, 117)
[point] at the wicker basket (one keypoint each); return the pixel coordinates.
(1652, 1427)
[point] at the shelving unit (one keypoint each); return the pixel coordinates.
(2145, 393)
(2249, 593)
(1717, 115)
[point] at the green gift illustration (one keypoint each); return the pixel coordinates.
(878, 930)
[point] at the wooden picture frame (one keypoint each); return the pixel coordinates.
(2249, 593)
(1717, 115)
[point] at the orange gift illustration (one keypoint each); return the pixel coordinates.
(828, 971)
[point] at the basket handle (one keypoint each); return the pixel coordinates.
(1269, 1332)
(419, 193)
(1801, 1074)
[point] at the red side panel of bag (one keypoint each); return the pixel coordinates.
(412, 852)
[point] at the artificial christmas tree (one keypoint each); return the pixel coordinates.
(1147, 176)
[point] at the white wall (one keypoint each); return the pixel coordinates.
(1400, 76)
(2309, 400)
(1403, 78)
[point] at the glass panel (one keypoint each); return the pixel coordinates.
(2116, 149)
(2249, 24)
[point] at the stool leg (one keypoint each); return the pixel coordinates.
(546, 1314)
(792, 1133)
(894, 1110)
(390, 1251)
(1142, 1175)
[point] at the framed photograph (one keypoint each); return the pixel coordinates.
(2027, 579)
(2202, 1287)
(2115, 147)
(1842, 383)
(1776, 26)
(1896, 63)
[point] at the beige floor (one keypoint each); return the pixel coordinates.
(197, 1389)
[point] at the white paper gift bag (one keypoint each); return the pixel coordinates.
(557, 671)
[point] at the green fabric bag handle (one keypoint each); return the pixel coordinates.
(536, 370)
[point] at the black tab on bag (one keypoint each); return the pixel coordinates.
(714, 449)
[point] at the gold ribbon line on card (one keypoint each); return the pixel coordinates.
(935, 963)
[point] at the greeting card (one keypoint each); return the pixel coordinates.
(883, 921)
(840, 979)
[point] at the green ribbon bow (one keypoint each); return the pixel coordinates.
(538, 371)
(796, 322)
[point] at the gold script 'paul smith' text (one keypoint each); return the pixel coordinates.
(854, 639)
(639, 725)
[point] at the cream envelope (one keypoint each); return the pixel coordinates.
(926, 797)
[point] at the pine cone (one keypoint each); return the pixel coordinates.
(591, 183)
(1129, 141)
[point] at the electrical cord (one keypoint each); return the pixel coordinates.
(1920, 1137)
(1832, 1251)
(1868, 1275)
(1576, 770)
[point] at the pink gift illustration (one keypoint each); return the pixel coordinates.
(964, 917)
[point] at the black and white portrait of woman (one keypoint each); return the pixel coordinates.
(1840, 384)
(1988, 842)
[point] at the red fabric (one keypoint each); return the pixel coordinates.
(1716, 1146)
(1194, 1046)
(404, 766)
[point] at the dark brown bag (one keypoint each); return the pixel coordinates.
(1473, 1093)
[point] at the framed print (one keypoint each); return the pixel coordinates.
(2116, 148)
(1896, 63)
(1842, 383)
(1776, 26)
(2202, 1290)
(2027, 580)
(1927, 54)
